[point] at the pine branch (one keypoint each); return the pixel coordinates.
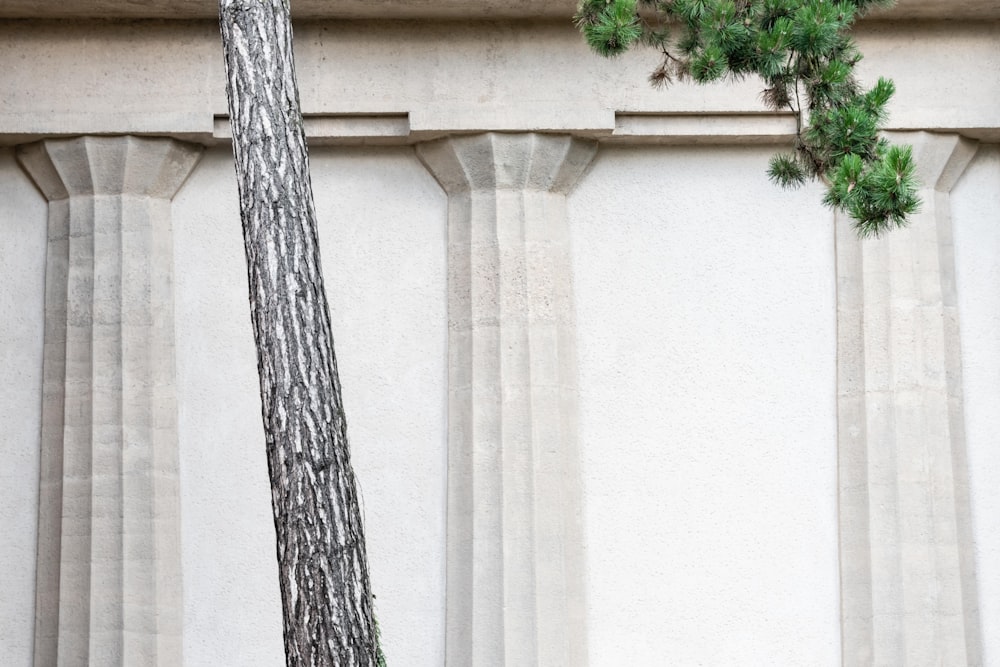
(800, 44)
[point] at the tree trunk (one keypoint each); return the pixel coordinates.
(321, 553)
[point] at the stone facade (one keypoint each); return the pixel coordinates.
(614, 399)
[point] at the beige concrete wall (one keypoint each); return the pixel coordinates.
(166, 77)
(706, 323)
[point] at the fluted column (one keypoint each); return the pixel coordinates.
(108, 569)
(907, 581)
(514, 573)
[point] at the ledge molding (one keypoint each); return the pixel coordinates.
(401, 128)
(417, 9)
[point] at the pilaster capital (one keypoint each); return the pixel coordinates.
(940, 158)
(500, 161)
(92, 165)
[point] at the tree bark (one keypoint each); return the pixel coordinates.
(321, 553)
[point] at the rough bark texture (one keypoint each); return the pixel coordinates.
(321, 554)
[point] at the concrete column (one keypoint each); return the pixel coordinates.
(515, 561)
(907, 581)
(108, 569)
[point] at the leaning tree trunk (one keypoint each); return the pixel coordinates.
(321, 552)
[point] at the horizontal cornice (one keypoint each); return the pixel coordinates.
(394, 82)
(416, 9)
(399, 129)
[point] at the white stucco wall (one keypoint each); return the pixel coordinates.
(706, 315)
(232, 609)
(976, 216)
(706, 322)
(383, 243)
(23, 215)
(383, 225)
(707, 376)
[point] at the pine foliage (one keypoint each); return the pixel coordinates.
(803, 53)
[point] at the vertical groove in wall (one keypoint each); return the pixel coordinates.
(854, 556)
(53, 424)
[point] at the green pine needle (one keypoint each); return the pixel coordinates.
(802, 51)
(783, 170)
(614, 29)
(710, 65)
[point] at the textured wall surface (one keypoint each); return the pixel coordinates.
(707, 335)
(22, 300)
(976, 217)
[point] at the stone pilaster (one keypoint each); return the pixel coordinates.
(907, 581)
(515, 554)
(108, 569)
